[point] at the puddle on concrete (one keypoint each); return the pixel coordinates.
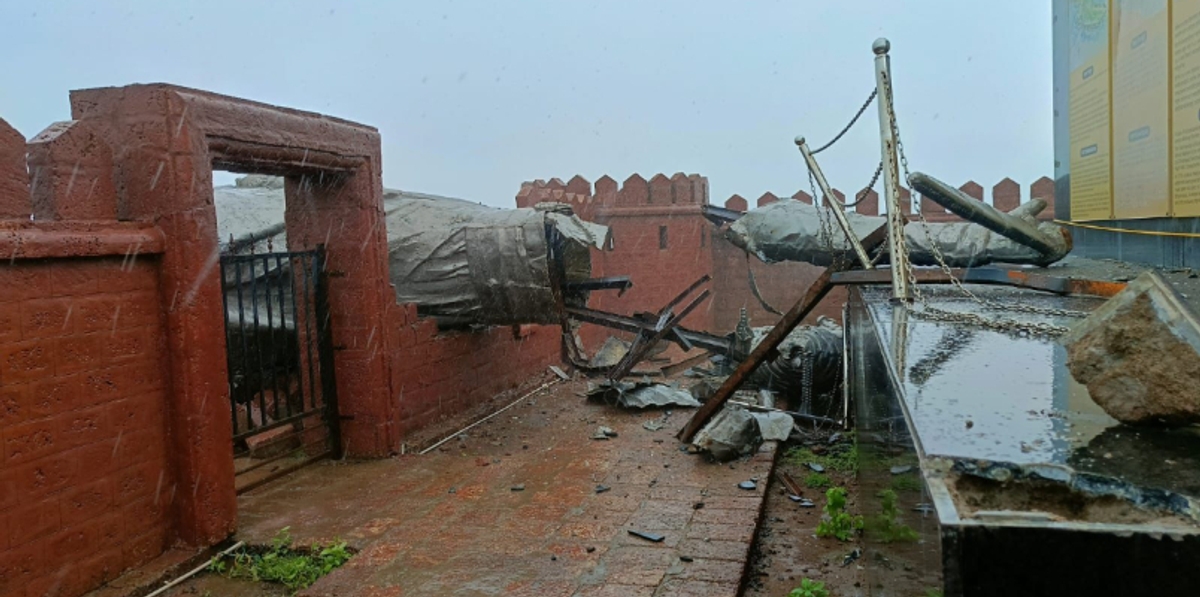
(982, 394)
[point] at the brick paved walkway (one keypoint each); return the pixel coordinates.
(450, 523)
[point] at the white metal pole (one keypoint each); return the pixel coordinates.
(830, 201)
(891, 172)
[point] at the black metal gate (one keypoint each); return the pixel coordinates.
(279, 344)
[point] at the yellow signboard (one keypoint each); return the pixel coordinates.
(1185, 89)
(1089, 110)
(1140, 121)
(1134, 108)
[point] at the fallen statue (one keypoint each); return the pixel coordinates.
(797, 231)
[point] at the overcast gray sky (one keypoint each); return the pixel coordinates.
(473, 97)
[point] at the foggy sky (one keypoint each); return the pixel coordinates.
(472, 97)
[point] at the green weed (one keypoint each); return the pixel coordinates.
(817, 481)
(883, 527)
(906, 482)
(837, 522)
(294, 569)
(933, 593)
(809, 588)
(842, 458)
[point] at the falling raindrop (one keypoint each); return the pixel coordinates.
(157, 173)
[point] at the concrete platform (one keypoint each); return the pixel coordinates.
(451, 523)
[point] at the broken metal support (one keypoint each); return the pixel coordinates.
(839, 212)
(639, 349)
(1007, 225)
(817, 291)
(624, 323)
(618, 283)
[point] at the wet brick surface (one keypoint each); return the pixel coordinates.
(450, 523)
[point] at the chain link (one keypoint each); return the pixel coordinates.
(866, 104)
(928, 311)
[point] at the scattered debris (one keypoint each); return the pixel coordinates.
(900, 469)
(652, 425)
(923, 508)
(792, 486)
(560, 373)
(602, 488)
(748, 485)
(686, 559)
(604, 433)
(815, 467)
(518, 487)
(642, 394)
(1139, 355)
(851, 557)
(733, 432)
(657, 395)
(610, 353)
(707, 385)
(653, 537)
(774, 426)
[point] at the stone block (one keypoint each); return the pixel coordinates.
(1139, 355)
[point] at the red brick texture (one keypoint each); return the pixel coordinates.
(439, 374)
(85, 474)
(14, 177)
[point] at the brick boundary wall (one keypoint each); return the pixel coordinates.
(86, 485)
(115, 433)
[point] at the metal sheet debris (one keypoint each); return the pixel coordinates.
(774, 426)
(643, 394)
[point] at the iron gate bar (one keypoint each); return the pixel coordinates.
(271, 366)
(299, 368)
(306, 265)
(245, 346)
(325, 350)
(285, 349)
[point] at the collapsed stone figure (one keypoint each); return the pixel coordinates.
(792, 230)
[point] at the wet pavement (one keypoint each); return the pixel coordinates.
(513, 508)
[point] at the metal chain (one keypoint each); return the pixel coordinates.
(866, 104)
(929, 311)
(862, 194)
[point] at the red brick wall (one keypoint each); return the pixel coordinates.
(635, 212)
(780, 284)
(85, 488)
(439, 374)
